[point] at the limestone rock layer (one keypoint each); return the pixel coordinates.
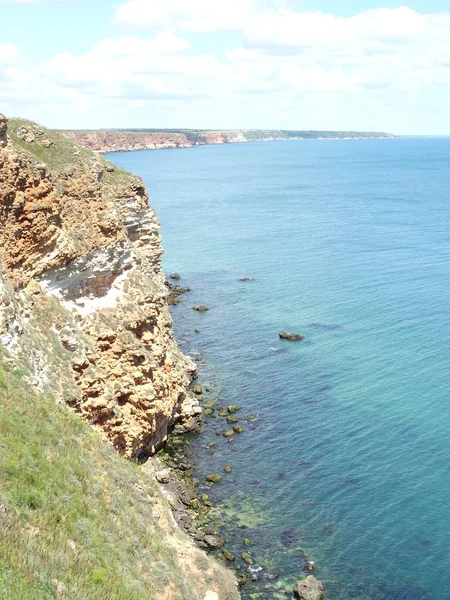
(83, 301)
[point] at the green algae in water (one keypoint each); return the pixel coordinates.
(239, 511)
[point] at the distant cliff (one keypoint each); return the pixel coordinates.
(122, 141)
(113, 141)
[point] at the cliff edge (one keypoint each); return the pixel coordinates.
(83, 301)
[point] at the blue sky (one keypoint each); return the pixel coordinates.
(294, 64)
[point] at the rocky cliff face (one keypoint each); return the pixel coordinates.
(113, 141)
(83, 301)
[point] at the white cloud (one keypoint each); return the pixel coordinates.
(163, 43)
(289, 63)
(369, 32)
(374, 49)
(314, 51)
(8, 53)
(188, 15)
(133, 67)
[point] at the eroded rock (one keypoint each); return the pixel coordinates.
(309, 588)
(292, 337)
(3, 131)
(214, 541)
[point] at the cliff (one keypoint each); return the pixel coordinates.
(85, 324)
(113, 141)
(81, 265)
(121, 140)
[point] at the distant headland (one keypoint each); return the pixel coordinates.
(123, 140)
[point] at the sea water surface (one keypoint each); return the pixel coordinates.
(347, 243)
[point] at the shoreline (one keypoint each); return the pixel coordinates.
(214, 524)
(105, 142)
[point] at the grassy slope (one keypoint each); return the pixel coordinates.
(63, 153)
(74, 516)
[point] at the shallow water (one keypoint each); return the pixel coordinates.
(348, 244)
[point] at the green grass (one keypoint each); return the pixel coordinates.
(75, 519)
(62, 153)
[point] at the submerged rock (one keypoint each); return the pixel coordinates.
(233, 408)
(214, 478)
(289, 538)
(293, 337)
(214, 541)
(197, 389)
(228, 469)
(175, 292)
(232, 419)
(247, 558)
(228, 433)
(200, 308)
(309, 589)
(228, 556)
(175, 276)
(238, 429)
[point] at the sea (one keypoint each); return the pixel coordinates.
(343, 467)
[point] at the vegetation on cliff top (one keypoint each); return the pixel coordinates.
(57, 152)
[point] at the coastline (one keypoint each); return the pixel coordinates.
(104, 141)
(231, 529)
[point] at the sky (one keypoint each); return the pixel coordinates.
(358, 65)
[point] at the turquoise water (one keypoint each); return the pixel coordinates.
(348, 243)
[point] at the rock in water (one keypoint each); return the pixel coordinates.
(232, 419)
(309, 589)
(292, 337)
(175, 276)
(214, 541)
(200, 308)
